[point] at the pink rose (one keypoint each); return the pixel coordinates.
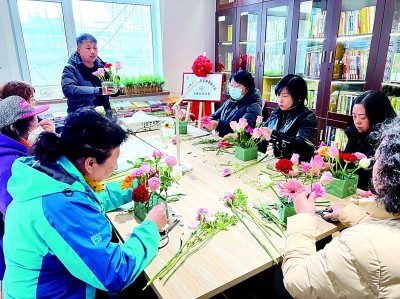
(118, 65)
(258, 132)
(360, 155)
(242, 123)
(173, 140)
(145, 167)
(326, 178)
(157, 153)
(233, 125)
(267, 136)
(225, 172)
(295, 159)
(154, 183)
(171, 161)
(333, 152)
(259, 120)
(317, 162)
(137, 172)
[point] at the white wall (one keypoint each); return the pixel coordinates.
(187, 30)
(9, 69)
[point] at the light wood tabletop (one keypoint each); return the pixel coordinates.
(231, 256)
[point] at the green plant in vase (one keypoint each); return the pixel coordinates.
(150, 179)
(109, 75)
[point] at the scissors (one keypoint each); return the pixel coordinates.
(322, 213)
(164, 233)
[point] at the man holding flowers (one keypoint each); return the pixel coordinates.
(79, 85)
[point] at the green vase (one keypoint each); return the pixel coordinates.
(142, 209)
(182, 127)
(343, 188)
(110, 83)
(246, 154)
(285, 209)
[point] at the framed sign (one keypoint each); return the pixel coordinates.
(207, 89)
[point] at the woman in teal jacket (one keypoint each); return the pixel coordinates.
(57, 239)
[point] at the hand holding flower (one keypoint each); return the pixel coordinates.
(158, 215)
(305, 203)
(335, 209)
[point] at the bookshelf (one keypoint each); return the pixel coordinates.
(341, 48)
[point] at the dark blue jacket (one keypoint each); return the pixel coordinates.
(81, 87)
(249, 107)
(10, 150)
(293, 131)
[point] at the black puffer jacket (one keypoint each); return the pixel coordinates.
(81, 87)
(249, 107)
(294, 131)
(358, 142)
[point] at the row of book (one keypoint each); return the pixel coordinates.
(276, 28)
(341, 102)
(357, 21)
(312, 65)
(335, 137)
(355, 63)
(315, 24)
(152, 107)
(395, 70)
(274, 63)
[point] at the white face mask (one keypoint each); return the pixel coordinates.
(33, 135)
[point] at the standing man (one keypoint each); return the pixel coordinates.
(79, 85)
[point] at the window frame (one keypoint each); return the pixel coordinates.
(70, 32)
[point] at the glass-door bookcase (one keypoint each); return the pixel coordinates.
(310, 45)
(274, 49)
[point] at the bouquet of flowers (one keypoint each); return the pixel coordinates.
(292, 178)
(108, 74)
(150, 179)
(205, 227)
(202, 66)
(247, 137)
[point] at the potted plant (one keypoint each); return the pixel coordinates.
(109, 74)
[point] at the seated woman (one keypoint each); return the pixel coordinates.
(292, 126)
(27, 92)
(361, 262)
(369, 109)
(57, 239)
(17, 120)
(245, 102)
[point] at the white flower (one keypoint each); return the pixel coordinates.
(265, 180)
(176, 173)
(365, 163)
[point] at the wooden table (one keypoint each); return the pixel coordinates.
(231, 256)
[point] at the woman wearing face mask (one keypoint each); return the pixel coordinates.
(27, 92)
(369, 109)
(245, 102)
(292, 126)
(17, 119)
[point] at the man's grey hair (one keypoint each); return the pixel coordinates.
(85, 37)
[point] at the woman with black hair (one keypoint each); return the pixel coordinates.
(361, 262)
(57, 241)
(369, 109)
(245, 102)
(292, 126)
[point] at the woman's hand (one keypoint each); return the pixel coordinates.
(48, 125)
(266, 129)
(334, 210)
(213, 125)
(108, 90)
(233, 135)
(304, 203)
(158, 215)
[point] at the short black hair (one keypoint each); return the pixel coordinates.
(86, 133)
(296, 87)
(377, 106)
(85, 37)
(246, 79)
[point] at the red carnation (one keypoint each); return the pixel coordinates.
(202, 66)
(348, 157)
(140, 194)
(284, 165)
(108, 65)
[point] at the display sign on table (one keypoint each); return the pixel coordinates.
(208, 89)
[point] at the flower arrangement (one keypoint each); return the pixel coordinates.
(205, 227)
(340, 162)
(107, 73)
(292, 178)
(150, 179)
(238, 203)
(202, 66)
(247, 137)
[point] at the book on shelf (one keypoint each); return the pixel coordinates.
(395, 101)
(395, 71)
(229, 33)
(140, 105)
(315, 25)
(312, 64)
(228, 60)
(335, 137)
(341, 102)
(122, 106)
(357, 21)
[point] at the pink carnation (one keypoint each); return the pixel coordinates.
(146, 167)
(154, 183)
(157, 153)
(305, 167)
(171, 161)
(360, 155)
(319, 190)
(204, 212)
(137, 172)
(228, 196)
(168, 109)
(225, 172)
(173, 140)
(193, 225)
